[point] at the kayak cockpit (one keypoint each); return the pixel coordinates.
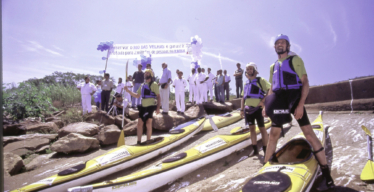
(294, 152)
(152, 141)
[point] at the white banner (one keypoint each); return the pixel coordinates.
(131, 51)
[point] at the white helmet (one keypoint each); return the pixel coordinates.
(253, 65)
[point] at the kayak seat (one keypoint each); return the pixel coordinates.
(153, 141)
(72, 170)
(268, 182)
(241, 131)
(226, 115)
(316, 126)
(175, 158)
(295, 151)
(176, 131)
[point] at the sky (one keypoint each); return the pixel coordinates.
(334, 38)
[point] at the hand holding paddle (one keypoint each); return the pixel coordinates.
(367, 173)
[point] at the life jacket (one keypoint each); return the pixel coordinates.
(146, 91)
(251, 90)
(285, 77)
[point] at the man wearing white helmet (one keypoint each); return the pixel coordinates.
(254, 93)
(289, 82)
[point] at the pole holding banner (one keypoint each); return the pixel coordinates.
(106, 46)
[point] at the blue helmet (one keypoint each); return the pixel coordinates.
(281, 36)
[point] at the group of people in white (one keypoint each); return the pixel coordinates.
(202, 86)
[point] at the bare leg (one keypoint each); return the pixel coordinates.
(265, 136)
(272, 143)
(149, 128)
(252, 128)
(140, 129)
(316, 144)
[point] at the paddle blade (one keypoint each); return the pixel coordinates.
(121, 139)
(214, 126)
(366, 130)
(367, 173)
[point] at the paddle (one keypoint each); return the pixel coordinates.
(214, 126)
(367, 173)
(121, 139)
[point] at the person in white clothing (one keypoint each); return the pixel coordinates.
(129, 86)
(205, 90)
(179, 85)
(210, 83)
(87, 90)
(119, 90)
(192, 86)
(200, 80)
(226, 85)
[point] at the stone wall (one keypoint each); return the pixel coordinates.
(362, 89)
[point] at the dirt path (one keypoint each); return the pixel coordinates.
(346, 151)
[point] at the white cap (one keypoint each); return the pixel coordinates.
(253, 65)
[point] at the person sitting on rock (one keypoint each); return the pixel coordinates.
(254, 91)
(118, 103)
(149, 91)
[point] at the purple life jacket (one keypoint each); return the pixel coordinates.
(285, 77)
(147, 93)
(251, 90)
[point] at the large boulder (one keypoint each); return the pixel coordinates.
(118, 121)
(83, 128)
(56, 120)
(133, 114)
(217, 108)
(166, 122)
(101, 117)
(38, 161)
(172, 105)
(49, 127)
(236, 103)
(11, 139)
(25, 146)
(13, 129)
(75, 142)
(12, 163)
(195, 111)
(131, 128)
(109, 135)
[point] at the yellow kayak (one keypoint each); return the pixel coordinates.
(179, 165)
(223, 120)
(294, 167)
(116, 160)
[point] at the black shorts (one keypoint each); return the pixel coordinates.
(146, 112)
(251, 116)
(281, 104)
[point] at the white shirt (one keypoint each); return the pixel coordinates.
(180, 84)
(191, 79)
(128, 84)
(227, 78)
(86, 88)
(119, 88)
(200, 77)
(210, 80)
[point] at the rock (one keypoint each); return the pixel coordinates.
(56, 120)
(42, 149)
(131, 128)
(25, 146)
(13, 129)
(22, 152)
(49, 127)
(11, 139)
(38, 161)
(75, 142)
(118, 121)
(195, 111)
(188, 105)
(12, 163)
(236, 103)
(94, 109)
(100, 117)
(109, 135)
(133, 114)
(166, 122)
(83, 128)
(217, 108)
